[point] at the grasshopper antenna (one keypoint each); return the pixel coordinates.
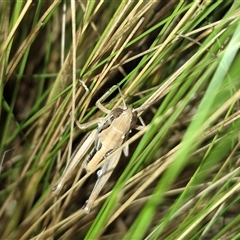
(124, 103)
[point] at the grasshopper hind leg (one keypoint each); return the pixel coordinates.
(103, 175)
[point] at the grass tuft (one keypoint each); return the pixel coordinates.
(176, 62)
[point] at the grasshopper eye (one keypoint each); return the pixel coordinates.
(117, 112)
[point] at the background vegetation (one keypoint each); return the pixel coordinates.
(178, 60)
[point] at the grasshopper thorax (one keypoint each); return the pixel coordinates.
(124, 114)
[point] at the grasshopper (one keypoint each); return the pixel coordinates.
(112, 131)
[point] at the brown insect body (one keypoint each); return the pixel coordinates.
(112, 134)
